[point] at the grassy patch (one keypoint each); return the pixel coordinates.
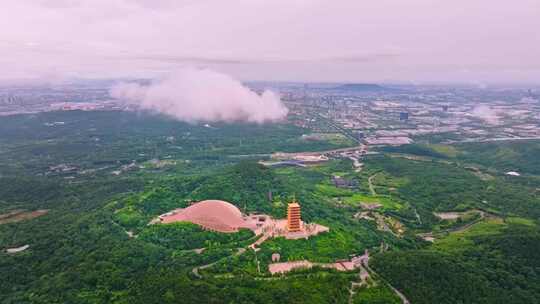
(447, 150)
(332, 138)
(521, 221)
(458, 241)
(332, 191)
(387, 202)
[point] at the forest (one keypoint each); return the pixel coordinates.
(94, 244)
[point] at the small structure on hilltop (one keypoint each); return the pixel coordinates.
(370, 206)
(17, 249)
(341, 182)
(280, 159)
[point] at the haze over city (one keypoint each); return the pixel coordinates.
(418, 41)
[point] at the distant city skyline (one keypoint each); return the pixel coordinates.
(418, 41)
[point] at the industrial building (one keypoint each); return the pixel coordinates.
(404, 116)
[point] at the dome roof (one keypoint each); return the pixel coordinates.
(211, 214)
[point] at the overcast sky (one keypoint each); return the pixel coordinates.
(475, 41)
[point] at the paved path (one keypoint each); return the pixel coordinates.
(130, 234)
(195, 270)
(417, 216)
(404, 300)
(370, 182)
(365, 264)
(483, 215)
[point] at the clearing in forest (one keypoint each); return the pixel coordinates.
(20, 215)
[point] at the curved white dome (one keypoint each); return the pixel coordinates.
(211, 214)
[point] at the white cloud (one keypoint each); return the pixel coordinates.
(203, 95)
(486, 113)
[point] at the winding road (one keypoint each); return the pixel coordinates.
(371, 187)
(364, 265)
(196, 269)
(466, 226)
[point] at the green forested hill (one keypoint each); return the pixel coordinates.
(499, 268)
(94, 244)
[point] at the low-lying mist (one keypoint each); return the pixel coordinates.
(486, 113)
(194, 95)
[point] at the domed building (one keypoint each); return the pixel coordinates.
(210, 214)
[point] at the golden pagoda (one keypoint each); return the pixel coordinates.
(294, 221)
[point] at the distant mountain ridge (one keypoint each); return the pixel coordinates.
(364, 87)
